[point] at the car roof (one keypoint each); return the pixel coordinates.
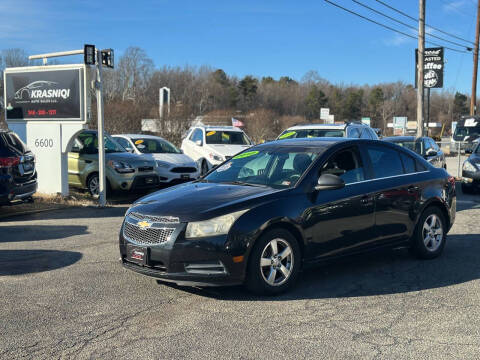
(218, 128)
(318, 126)
(400, 138)
(308, 142)
(144, 136)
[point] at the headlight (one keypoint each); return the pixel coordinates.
(163, 164)
(468, 166)
(216, 157)
(121, 167)
(216, 226)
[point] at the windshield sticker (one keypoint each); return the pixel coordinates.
(287, 135)
(210, 133)
(245, 154)
(224, 167)
(225, 136)
(138, 142)
(286, 183)
(470, 122)
(140, 146)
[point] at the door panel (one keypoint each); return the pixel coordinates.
(341, 221)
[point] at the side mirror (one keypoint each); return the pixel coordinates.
(468, 151)
(199, 143)
(130, 150)
(329, 182)
(431, 152)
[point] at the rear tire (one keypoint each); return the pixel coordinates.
(430, 235)
(274, 263)
(93, 185)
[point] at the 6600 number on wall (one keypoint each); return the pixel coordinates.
(44, 143)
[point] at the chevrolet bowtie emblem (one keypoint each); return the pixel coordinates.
(144, 224)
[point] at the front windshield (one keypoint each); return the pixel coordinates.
(88, 144)
(311, 133)
(415, 146)
(155, 146)
(226, 137)
(463, 131)
(278, 167)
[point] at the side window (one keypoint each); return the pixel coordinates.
(420, 166)
(15, 142)
(197, 135)
(385, 161)
(345, 164)
(124, 142)
(408, 163)
(353, 133)
(373, 134)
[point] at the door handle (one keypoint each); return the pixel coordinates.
(412, 189)
(365, 200)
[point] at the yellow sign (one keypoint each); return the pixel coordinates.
(138, 142)
(210, 133)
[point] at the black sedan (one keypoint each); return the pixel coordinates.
(263, 215)
(424, 146)
(471, 171)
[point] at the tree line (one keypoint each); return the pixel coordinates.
(265, 104)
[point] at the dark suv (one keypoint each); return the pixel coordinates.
(18, 178)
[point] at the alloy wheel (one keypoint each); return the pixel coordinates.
(94, 186)
(276, 262)
(432, 232)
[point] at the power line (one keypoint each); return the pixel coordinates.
(410, 26)
(416, 19)
(388, 27)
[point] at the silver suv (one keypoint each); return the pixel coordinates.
(354, 130)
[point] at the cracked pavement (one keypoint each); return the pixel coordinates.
(63, 295)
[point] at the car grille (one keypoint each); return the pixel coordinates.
(149, 236)
(155, 219)
(184, 170)
(145, 168)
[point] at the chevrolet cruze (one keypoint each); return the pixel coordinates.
(268, 212)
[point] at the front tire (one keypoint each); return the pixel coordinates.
(430, 234)
(93, 185)
(274, 263)
(204, 167)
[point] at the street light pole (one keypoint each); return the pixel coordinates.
(420, 66)
(101, 136)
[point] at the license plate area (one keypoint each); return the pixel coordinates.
(149, 180)
(185, 177)
(137, 255)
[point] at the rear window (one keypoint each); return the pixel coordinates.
(15, 142)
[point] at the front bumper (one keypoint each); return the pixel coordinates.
(167, 177)
(134, 182)
(201, 262)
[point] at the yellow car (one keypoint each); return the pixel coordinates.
(123, 170)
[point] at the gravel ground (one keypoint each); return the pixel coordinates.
(63, 294)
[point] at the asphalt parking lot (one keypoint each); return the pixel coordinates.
(63, 294)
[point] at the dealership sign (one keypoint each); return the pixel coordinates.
(48, 93)
(432, 67)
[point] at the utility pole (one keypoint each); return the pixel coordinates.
(420, 66)
(473, 100)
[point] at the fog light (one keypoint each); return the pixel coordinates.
(238, 259)
(124, 185)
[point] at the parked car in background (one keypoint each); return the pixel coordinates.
(173, 166)
(211, 145)
(467, 133)
(18, 177)
(270, 211)
(123, 170)
(355, 130)
(471, 171)
(424, 146)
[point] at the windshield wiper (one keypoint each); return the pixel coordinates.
(243, 183)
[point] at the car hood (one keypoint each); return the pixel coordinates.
(200, 201)
(174, 159)
(228, 150)
(132, 159)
